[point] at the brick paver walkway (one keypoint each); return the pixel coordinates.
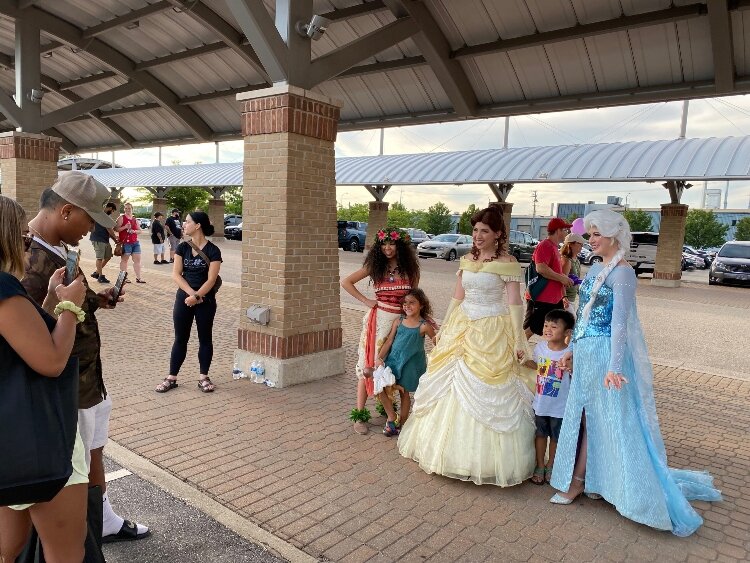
(288, 460)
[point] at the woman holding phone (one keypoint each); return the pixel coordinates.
(44, 344)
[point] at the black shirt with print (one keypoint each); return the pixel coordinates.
(194, 268)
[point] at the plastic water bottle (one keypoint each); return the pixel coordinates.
(260, 373)
(254, 372)
(236, 371)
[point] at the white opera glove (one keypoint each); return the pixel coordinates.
(451, 306)
(521, 346)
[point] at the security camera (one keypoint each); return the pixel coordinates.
(315, 29)
(36, 95)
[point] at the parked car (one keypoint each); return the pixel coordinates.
(692, 262)
(233, 232)
(584, 256)
(521, 245)
(732, 264)
(447, 246)
(642, 252)
(143, 222)
(232, 220)
(352, 235)
(417, 236)
(704, 259)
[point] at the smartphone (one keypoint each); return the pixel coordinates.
(71, 266)
(119, 282)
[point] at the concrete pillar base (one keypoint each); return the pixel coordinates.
(293, 371)
(665, 283)
(377, 220)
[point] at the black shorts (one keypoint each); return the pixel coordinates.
(535, 313)
(548, 427)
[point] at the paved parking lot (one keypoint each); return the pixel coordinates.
(287, 460)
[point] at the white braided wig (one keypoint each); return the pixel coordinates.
(613, 225)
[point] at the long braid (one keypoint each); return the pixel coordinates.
(600, 278)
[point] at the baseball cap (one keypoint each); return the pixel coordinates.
(572, 237)
(82, 190)
(557, 223)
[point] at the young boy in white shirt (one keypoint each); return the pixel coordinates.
(552, 385)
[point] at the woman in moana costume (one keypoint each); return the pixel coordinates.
(393, 269)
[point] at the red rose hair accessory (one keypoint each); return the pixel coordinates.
(391, 236)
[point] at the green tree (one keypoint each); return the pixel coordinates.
(399, 216)
(572, 217)
(638, 220)
(743, 229)
(356, 212)
(233, 200)
(464, 223)
(702, 229)
(437, 219)
(187, 199)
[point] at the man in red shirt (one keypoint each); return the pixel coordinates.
(546, 257)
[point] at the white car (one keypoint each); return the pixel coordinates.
(448, 246)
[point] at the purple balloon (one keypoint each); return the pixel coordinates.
(578, 227)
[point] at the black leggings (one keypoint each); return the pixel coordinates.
(183, 316)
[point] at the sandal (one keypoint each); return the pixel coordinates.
(547, 474)
(205, 385)
(166, 385)
(139, 280)
(538, 477)
(390, 429)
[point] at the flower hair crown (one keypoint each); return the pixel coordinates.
(391, 236)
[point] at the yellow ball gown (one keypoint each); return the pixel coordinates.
(472, 417)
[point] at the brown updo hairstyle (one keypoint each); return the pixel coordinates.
(492, 217)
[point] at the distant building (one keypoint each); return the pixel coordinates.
(713, 199)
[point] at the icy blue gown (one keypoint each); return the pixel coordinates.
(627, 462)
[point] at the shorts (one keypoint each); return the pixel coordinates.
(103, 250)
(93, 423)
(535, 313)
(80, 470)
(159, 248)
(548, 427)
(131, 248)
(173, 242)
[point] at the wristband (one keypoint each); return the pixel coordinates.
(72, 307)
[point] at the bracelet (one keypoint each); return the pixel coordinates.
(72, 307)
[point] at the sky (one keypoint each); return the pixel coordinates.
(715, 117)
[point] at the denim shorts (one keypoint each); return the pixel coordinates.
(548, 427)
(131, 248)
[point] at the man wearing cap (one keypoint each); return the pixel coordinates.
(68, 211)
(174, 232)
(546, 258)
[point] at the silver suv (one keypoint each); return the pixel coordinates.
(732, 263)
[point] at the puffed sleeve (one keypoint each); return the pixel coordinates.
(623, 283)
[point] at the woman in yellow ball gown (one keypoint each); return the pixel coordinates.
(472, 417)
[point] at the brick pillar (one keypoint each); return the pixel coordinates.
(505, 208)
(160, 204)
(378, 219)
(668, 267)
(216, 216)
(29, 165)
(289, 257)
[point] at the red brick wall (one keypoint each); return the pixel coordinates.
(289, 113)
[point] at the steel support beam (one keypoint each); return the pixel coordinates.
(28, 72)
(10, 110)
(384, 66)
(133, 15)
(676, 188)
(128, 109)
(500, 190)
(220, 94)
(87, 105)
(290, 13)
(229, 35)
(720, 25)
(87, 79)
(186, 54)
(437, 52)
(345, 57)
(258, 26)
(354, 11)
(67, 145)
(378, 191)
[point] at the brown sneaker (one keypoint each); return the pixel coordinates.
(361, 427)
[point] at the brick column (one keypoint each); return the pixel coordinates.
(505, 208)
(289, 253)
(29, 165)
(378, 219)
(216, 215)
(115, 198)
(668, 267)
(160, 204)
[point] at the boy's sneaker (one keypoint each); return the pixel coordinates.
(103, 279)
(95, 275)
(157, 262)
(390, 429)
(165, 262)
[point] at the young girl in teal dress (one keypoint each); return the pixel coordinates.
(403, 352)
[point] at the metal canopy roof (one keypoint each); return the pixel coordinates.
(137, 73)
(680, 159)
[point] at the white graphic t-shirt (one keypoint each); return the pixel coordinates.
(552, 382)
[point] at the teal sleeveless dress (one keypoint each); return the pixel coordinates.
(407, 358)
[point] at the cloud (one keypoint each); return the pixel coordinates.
(716, 117)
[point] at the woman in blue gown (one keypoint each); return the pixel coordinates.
(610, 444)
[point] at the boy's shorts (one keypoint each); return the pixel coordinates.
(93, 424)
(159, 248)
(103, 250)
(548, 427)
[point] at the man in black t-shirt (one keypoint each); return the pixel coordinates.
(174, 232)
(100, 238)
(157, 238)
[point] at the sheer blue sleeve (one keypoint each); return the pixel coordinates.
(623, 283)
